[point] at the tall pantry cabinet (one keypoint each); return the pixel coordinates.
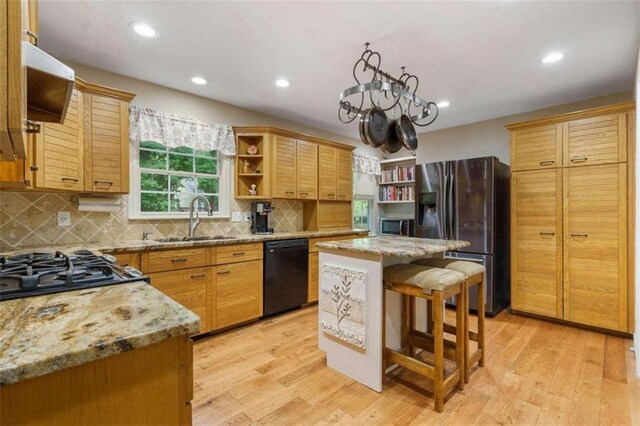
(572, 217)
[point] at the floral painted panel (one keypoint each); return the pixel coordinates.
(343, 304)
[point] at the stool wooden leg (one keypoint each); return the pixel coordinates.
(429, 316)
(411, 350)
(466, 372)
(461, 336)
(481, 321)
(404, 328)
(438, 351)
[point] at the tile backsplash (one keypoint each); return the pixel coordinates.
(28, 219)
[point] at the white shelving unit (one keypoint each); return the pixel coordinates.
(399, 209)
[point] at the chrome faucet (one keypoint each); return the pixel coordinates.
(194, 224)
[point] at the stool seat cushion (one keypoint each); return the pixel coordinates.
(466, 268)
(426, 277)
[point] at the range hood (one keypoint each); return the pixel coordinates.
(49, 85)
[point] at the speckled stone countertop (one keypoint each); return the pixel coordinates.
(395, 246)
(43, 334)
(147, 245)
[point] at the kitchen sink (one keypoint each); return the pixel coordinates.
(185, 239)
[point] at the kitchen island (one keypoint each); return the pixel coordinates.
(120, 352)
(351, 308)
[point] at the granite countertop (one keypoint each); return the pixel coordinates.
(43, 334)
(395, 246)
(148, 245)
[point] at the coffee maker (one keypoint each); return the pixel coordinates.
(260, 211)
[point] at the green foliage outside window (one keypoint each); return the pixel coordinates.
(171, 177)
(362, 214)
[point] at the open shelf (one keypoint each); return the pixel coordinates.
(401, 182)
(397, 202)
(398, 160)
(250, 174)
(250, 156)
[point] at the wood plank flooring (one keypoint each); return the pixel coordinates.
(272, 372)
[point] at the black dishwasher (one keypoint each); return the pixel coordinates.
(286, 266)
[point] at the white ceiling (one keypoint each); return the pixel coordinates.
(484, 57)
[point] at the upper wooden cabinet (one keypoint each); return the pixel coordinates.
(596, 140)
(106, 139)
(536, 147)
(58, 151)
(292, 166)
(307, 170)
(285, 169)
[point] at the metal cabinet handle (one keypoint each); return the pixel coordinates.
(199, 276)
(182, 259)
(547, 162)
(238, 253)
(579, 160)
(548, 233)
(31, 126)
(34, 36)
(74, 180)
(34, 168)
(102, 182)
(224, 272)
(580, 235)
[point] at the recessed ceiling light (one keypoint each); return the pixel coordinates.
(283, 82)
(552, 57)
(145, 30)
(199, 80)
(443, 104)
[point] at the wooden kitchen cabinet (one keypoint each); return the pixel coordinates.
(238, 293)
(536, 147)
(59, 151)
(536, 249)
(284, 169)
(190, 288)
(307, 173)
(595, 224)
(128, 259)
(313, 278)
(327, 165)
(238, 253)
(575, 263)
(171, 260)
(596, 140)
(106, 139)
(344, 172)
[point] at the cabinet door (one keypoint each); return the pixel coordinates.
(596, 140)
(313, 277)
(595, 216)
(536, 148)
(327, 176)
(307, 170)
(59, 151)
(188, 287)
(345, 175)
(536, 242)
(283, 184)
(16, 31)
(107, 152)
(238, 293)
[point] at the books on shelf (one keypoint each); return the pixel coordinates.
(397, 174)
(396, 193)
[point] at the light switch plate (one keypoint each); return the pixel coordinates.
(64, 218)
(236, 216)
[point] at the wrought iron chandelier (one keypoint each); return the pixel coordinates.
(387, 108)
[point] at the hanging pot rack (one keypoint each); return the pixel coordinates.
(395, 96)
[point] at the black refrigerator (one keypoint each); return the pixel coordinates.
(469, 200)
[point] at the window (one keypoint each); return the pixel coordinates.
(165, 180)
(362, 213)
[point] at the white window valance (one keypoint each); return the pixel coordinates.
(174, 131)
(366, 164)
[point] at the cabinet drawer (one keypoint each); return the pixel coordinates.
(188, 287)
(238, 293)
(170, 260)
(238, 253)
(128, 259)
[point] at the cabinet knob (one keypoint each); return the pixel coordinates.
(198, 276)
(34, 168)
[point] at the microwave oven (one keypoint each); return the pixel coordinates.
(403, 227)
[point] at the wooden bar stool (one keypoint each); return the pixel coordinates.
(432, 284)
(474, 276)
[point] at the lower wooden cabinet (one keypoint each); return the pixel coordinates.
(238, 293)
(128, 259)
(190, 288)
(313, 278)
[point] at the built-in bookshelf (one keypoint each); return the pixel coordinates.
(396, 183)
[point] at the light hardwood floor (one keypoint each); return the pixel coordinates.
(537, 372)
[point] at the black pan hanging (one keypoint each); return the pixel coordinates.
(406, 133)
(393, 143)
(376, 126)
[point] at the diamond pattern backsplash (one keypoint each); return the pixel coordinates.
(28, 219)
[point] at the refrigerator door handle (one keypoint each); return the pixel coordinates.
(468, 259)
(451, 207)
(445, 207)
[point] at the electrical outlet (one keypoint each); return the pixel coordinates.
(247, 217)
(236, 216)
(64, 218)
